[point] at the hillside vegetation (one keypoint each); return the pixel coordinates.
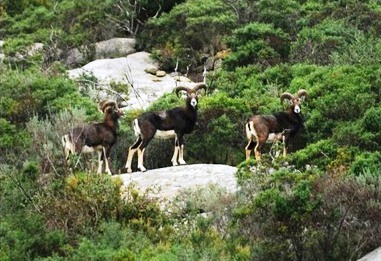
(321, 202)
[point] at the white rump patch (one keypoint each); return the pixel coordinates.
(137, 128)
(165, 134)
(87, 149)
(274, 137)
(250, 131)
(69, 147)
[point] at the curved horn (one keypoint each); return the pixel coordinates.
(199, 86)
(106, 103)
(302, 93)
(286, 95)
(181, 88)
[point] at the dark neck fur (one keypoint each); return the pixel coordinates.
(111, 120)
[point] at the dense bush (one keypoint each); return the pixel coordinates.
(257, 43)
(38, 93)
(13, 141)
(308, 215)
(317, 44)
(188, 32)
(62, 26)
(52, 213)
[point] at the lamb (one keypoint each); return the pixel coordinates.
(278, 126)
(99, 137)
(173, 123)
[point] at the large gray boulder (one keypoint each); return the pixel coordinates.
(74, 57)
(144, 87)
(115, 47)
(112, 48)
(168, 182)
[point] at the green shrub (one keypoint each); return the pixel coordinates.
(372, 120)
(257, 43)
(329, 105)
(316, 44)
(234, 84)
(176, 35)
(216, 202)
(31, 92)
(282, 14)
(319, 154)
(363, 133)
(278, 75)
(24, 232)
(82, 202)
(363, 50)
(26, 237)
(219, 123)
(271, 213)
(365, 160)
(302, 214)
(14, 142)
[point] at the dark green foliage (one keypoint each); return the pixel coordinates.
(317, 44)
(219, 124)
(257, 43)
(363, 50)
(235, 84)
(13, 141)
(366, 161)
(337, 94)
(278, 204)
(319, 153)
(282, 14)
(211, 137)
(31, 92)
(67, 24)
(305, 215)
(24, 233)
(188, 32)
(26, 237)
(371, 121)
(52, 214)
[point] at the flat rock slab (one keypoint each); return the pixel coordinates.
(167, 182)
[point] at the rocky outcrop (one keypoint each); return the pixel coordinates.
(131, 70)
(112, 48)
(115, 47)
(168, 182)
